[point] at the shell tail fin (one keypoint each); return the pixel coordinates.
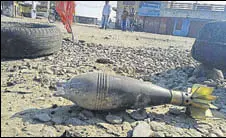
(201, 100)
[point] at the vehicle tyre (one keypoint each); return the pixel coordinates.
(29, 40)
(210, 46)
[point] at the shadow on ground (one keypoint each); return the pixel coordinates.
(71, 115)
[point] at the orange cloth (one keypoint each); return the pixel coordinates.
(66, 10)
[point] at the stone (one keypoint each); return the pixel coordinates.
(15, 131)
(192, 79)
(37, 78)
(127, 118)
(104, 61)
(156, 126)
(48, 58)
(158, 134)
(57, 120)
(113, 119)
(203, 128)
(210, 83)
(148, 120)
(81, 41)
(81, 116)
(71, 70)
(87, 113)
(10, 75)
(48, 132)
(43, 117)
(12, 69)
(126, 126)
(10, 83)
(139, 114)
(223, 129)
(106, 37)
(174, 111)
(68, 133)
(49, 71)
(23, 67)
(218, 132)
(52, 87)
(142, 130)
(212, 135)
(208, 72)
(75, 121)
(194, 133)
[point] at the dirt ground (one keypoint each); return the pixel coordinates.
(110, 37)
(26, 92)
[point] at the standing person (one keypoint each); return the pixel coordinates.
(132, 19)
(124, 18)
(105, 14)
(33, 10)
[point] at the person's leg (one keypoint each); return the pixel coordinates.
(126, 22)
(124, 25)
(103, 21)
(121, 25)
(106, 22)
(132, 26)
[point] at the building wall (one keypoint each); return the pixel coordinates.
(193, 14)
(168, 26)
(195, 27)
(189, 19)
(159, 25)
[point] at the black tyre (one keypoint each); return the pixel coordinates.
(51, 18)
(210, 46)
(29, 40)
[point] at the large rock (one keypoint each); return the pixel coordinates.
(142, 130)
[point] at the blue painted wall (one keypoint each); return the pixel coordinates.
(184, 29)
(148, 8)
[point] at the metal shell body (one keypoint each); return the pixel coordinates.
(99, 91)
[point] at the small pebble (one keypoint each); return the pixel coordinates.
(114, 119)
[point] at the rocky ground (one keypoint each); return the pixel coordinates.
(27, 86)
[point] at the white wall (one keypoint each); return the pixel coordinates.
(93, 8)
